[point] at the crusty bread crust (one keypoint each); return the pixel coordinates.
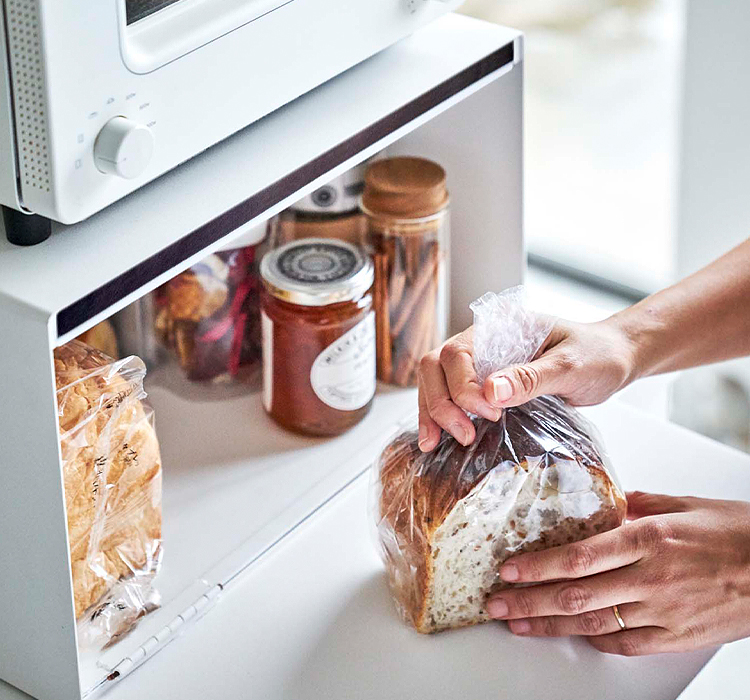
(419, 491)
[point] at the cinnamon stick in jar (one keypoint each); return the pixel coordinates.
(406, 204)
(382, 320)
(418, 336)
(418, 341)
(426, 280)
(397, 280)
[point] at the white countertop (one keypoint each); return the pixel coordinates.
(313, 617)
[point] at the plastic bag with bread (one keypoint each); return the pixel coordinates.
(112, 478)
(537, 478)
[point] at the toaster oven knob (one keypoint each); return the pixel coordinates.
(123, 148)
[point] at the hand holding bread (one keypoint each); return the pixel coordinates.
(674, 571)
(675, 576)
(581, 363)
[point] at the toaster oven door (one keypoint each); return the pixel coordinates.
(156, 32)
(139, 9)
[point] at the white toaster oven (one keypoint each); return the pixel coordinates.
(98, 98)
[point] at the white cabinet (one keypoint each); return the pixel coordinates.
(234, 484)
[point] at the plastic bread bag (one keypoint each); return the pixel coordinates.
(112, 478)
(537, 478)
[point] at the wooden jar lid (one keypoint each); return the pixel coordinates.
(405, 188)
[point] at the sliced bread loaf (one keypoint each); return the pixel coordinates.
(450, 518)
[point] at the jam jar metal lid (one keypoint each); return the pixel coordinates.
(317, 272)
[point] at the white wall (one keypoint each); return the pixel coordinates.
(714, 201)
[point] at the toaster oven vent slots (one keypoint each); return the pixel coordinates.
(28, 93)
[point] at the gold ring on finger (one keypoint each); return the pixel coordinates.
(618, 617)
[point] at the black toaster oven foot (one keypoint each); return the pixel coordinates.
(25, 229)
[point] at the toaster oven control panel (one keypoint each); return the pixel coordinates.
(123, 147)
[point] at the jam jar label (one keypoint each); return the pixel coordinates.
(343, 375)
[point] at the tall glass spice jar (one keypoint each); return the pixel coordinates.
(318, 331)
(406, 203)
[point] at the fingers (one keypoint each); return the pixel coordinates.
(458, 366)
(517, 385)
(592, 623)
(603, 552)
(566, 598)
(642, 504)
(435, 397)
(636, 642)
(429, 430)
(448, 388)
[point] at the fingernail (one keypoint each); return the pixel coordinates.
(497, 608)
(502, 389)
(461, 433)
(520, 626)
(491, 413)
(422, 436)
(509, 572)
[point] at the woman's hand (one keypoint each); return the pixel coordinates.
(582, 363)
(679, 574)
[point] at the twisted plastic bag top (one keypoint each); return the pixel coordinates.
(506, 333)
(537, 478)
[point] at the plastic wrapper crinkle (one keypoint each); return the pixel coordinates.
(537, 478)
(112, 478)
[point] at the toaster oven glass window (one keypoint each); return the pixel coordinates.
(138, 9)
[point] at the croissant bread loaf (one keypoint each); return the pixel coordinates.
(447, 519)
(111, 470)
(102, 337)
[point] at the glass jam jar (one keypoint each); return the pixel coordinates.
(318, 330)
(208, 317)
(331, 211)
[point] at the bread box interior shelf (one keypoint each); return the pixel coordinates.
(234, 484)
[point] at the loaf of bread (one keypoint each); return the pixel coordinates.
(102, 337)
(448, 519)
(111, 470)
